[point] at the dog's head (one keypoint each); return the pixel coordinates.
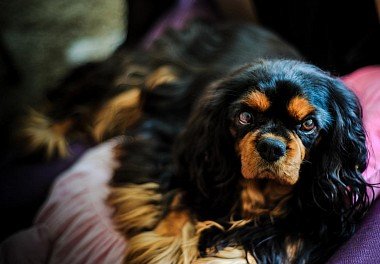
(280, 121)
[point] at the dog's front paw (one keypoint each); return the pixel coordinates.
(154, 248)
(211, 237)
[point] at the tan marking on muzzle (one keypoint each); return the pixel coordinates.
(285, 170)
(250, 158)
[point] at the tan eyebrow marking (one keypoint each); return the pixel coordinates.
(258, 100)
(299, 107)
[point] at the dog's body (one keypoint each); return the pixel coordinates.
(238, 153)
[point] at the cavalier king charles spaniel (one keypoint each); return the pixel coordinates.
(236, 152)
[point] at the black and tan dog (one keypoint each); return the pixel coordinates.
(235, 151)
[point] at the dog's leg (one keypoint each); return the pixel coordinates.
(152, 237)
(227, 255)
(174, 240)
(137, 207)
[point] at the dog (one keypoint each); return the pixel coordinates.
(236, 150)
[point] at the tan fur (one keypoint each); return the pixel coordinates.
(164, 74)
(201, 226)
(151, 247)
(136, 207)
(39, 132)
(171, 239)
(294, 157)
(258, 100)
(118, 114)
(250, 158)
(299, 107)
(292, 247)
(229, 255)
(258, 199)
(174, 221)
(172, 224)
(284, 171)
(238, 223)
(252, 200)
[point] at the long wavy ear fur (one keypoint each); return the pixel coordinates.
(345, 157)
(208, 163)
(338, 188)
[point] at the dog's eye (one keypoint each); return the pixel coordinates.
(245, 118)
(308, 125)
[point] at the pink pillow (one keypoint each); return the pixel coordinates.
(365, 83)
(74, 225)
(76, 216)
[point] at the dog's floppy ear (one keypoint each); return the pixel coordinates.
(205, 149)
(343, 157)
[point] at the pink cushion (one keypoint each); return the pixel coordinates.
(74, 225)
(365, 83)
(77, 219)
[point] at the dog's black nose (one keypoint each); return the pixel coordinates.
(271, 149)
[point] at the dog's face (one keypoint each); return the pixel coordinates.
(275, 124)
(283, 121)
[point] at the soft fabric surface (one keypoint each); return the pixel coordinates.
(74, 225)
(24, 186)
(364, 246)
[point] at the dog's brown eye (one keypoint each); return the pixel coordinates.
(308, 125)
(245, 118)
